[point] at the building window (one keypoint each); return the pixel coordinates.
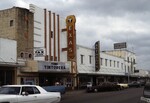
(82, 56)
(122, 65)
(105, 62)
(110, 63)
(134, 69)
(30, 56)
(133, 61)
(118, 64)
(11, 23)
(51, 34)
(22, 55)
(90, 59)
(51, 58)
(114, 63)
(101, 61)
(128, 60)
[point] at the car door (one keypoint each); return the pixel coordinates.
(27, 95)
(42, 98)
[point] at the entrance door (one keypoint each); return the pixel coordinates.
(6, 77)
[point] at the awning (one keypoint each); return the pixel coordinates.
(83, 69)
(11, 64)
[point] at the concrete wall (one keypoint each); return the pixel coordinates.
(39, 34)
(7, 31)
(8, 50)
(17, 24)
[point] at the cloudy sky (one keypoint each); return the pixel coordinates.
(109, 21)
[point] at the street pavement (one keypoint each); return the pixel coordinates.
(130, 95)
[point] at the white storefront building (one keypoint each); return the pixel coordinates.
(113, 68)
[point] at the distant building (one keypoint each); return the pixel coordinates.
(129, 59)
(115, 66)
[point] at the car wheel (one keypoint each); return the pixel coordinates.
(95, 90)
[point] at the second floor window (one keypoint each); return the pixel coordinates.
(133, 61)
(101, 61)
(121, 65)
(110, 63)
(114, 63)
(118, 64)
(82, 57)
(11, 23)
(90, 59)
(105, 62)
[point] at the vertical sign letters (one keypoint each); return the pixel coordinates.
(71, 37)
(97, 56)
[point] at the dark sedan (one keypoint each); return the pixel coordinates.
(105, 86)
(134, 84)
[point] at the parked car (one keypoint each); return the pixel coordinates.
(143, 82)
(146, 94)
(123, 85)
(58, 88)
(27, 94)
(85, 85)
(89, 84)
(105, 86)
(134, 84)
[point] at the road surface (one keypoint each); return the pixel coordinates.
(130, 95)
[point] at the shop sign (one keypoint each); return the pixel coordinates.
(53, 66)
(71, 37)
(97, 56)
(39, 52)
(120, 45)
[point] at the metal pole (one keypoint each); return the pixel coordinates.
(128, 76)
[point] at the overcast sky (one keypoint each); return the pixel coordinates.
(109, 21)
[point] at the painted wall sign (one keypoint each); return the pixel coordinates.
(97, 56)
(71, 37)
(53, 66)
(39, 52)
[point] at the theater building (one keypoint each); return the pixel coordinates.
(42, 45)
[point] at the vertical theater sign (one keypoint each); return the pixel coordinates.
(71, 45)
(71, 37)
(97, 56)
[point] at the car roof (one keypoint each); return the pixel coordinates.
(17, 85)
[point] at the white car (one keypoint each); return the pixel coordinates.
(123, 85)
(145, 98)
(27, 94)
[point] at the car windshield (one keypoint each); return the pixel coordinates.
(10, 90)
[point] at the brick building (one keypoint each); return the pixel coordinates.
(16, 30)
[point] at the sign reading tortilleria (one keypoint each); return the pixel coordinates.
(71, 37)
(53, 66)
(97, 56)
